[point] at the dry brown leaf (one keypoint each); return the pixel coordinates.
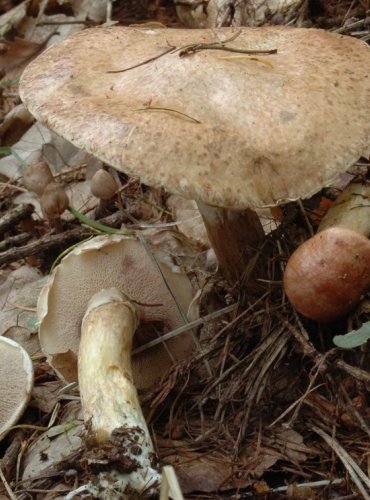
(66, 362)
(45, 396)
(206, 473)
(13, 54)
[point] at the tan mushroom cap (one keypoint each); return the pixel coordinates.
(121, 262)
(273, 128)
(16, 382)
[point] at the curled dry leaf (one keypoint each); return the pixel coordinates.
(14, 54)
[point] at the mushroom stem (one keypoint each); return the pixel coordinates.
(326, 276)
(109, 398)
(351, 210)
(235, 236)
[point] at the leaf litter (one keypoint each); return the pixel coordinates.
(284, 413)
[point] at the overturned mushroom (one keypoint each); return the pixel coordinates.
(232, 129)
(109, 398)
(327, 275)
(121, 262)
(16, 382)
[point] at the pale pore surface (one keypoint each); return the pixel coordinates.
(271, 130)
(16, 380)
(115, 261)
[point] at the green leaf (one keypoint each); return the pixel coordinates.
(354, 338)
(97, 225)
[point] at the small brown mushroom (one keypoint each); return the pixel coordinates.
(16, 382)
(231, 131)
(327, 275)
(104, 187)
(37, 176)
(54, 201)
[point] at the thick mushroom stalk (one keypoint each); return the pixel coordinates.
(235, 236)
(327, 275)
(109, 398)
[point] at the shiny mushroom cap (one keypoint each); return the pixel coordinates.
(121, 262)
(222, 127)
(16, 382)
(327, 275)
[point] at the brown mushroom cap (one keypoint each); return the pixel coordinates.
(103, 185)
(37, 176)
(121, 262)
(16, 382)
(54, 200)
(326, 276)
(221, 127)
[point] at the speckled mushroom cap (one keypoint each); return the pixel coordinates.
(121, 262)
(223, 127)
(16, 382)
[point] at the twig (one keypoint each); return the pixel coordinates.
(192, 49)
(7, 487)
(50, 241)
(9, 460)
(187, 50)
(308, 348)
(15, 215)
(152, 108)
(170, 49)
(353, 371)
(352, 409)
(312, 484)
(13, 241)
(220, 45)
(356, 473)
(209, 317)
(356, 24)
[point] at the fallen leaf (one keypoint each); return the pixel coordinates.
(14, 54)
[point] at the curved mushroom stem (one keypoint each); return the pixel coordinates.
(109, 398)
(235, 236)
(326, 276)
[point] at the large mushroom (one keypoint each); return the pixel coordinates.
(121, 262)
(196, 112)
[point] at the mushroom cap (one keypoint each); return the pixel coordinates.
(54, 200)
(16, 382)
(326, 276)
(225, 128)
(103, 185)
(37, 176)
(121, 262)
